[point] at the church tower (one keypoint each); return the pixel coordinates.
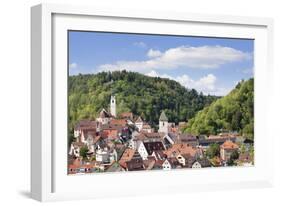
(113, 106)
(163, 123)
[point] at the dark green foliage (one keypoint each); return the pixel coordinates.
(234, 156)
(234, 112)
(140, 94)
(71, 137)
(213, 151)
(83, 152)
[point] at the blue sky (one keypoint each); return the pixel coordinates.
(210, 65)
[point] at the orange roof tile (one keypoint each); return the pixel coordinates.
(182, 148)
(122, 122)
(127, 156)
(229, 145)
(109, 133)
(126, 115)
(73, 166)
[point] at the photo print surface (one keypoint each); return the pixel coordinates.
(141, 102)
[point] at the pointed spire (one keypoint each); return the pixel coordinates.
(163, 117)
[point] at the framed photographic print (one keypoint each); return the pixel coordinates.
(122, 98)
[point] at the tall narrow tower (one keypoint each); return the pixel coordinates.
(163, 123)
(113, 106)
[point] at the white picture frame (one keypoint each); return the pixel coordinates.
(49, 180)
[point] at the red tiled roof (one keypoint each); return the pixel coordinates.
(86, 124)
(173, 161)
(72, 166)
(126, 115)
(96, 139)
(229, 145)
(121, 122)
(177, 149)
(127, 156)
(245, 157)
(88, 166)
(109, 133)
(89, 131)
(153, 146)
(135, 164)
(187, 137)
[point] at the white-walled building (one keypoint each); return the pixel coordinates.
(139, 123)
(105, 155)
(75, 148)
(147, 148)
(142, 151)
(170, 163)
(226, 149)
(196, 164)
(146, 128)
(87, 136)
(166, 165)
(84, 124)
(104, 117)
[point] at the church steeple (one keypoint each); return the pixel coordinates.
(113, 105)
(163, 123)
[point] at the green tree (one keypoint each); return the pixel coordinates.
(83, 152)
(71, 137)
(233, 112)
(135, 92)
(242, 148)
(234, 156)
(213, 151)
(252, 150)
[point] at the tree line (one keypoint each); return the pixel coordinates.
(135, 92)
(234, 112)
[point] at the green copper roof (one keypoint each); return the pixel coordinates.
(163, 117)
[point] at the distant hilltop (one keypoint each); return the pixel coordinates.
(142, 95)
(234, 112)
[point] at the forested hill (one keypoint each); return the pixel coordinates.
(137, 93)
(233, 112)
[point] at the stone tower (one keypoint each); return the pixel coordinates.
(163, 123)
(113, 106)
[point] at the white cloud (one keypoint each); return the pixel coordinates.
(140, 44)
(152, 73)
(203, 57)
(153, 53)
(73, 65)
(248, 71)
(206, 84)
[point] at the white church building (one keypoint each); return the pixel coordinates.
(104, 116)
